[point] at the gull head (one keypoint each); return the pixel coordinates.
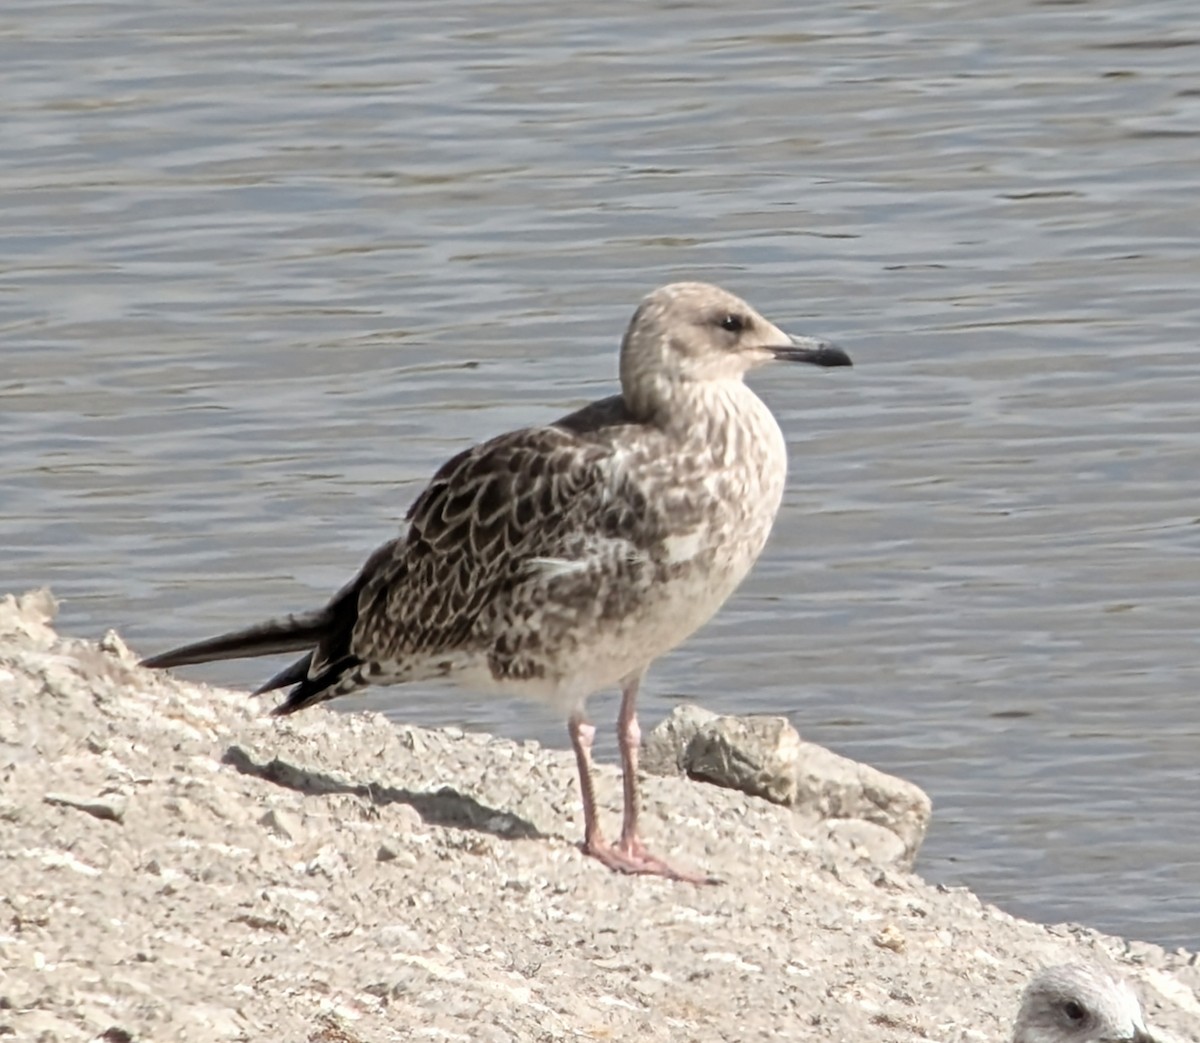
(1079, 1003)
(691, 333)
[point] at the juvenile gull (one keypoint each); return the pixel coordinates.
(1079, 1003)
(554, 561)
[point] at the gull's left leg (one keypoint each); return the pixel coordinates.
(629, 739)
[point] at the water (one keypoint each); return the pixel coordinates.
(263, 267)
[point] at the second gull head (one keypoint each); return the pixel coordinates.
(1079, 1003)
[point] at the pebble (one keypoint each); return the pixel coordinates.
(109, 807)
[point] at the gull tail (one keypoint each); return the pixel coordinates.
(289, 634)
(337, 678)
(327, 669)
(318, 634)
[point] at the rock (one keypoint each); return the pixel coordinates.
(29, 616)
(665, 751)
(890, 937)
(765, 757)
(875, 843)
(283, 825)
(834, 787)
(110, 806)
(757, 755)
(112, 644)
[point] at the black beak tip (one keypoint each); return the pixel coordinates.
(827, 355)
(822, 353)
(814, 352)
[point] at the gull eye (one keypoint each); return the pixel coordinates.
(733, 323)
(1074, 1011)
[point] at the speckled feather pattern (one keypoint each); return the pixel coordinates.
(553, 561)
(549, 560)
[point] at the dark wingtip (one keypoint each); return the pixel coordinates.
(324, 685)
(293, 633)
(164, 660)
(293, 673)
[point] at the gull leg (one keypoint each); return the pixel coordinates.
(583, 735)
(629, 739)
(629, 855)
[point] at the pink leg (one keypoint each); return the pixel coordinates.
(629, 740)
(583, 735)
(629, 855)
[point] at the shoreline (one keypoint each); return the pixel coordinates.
(178, 866)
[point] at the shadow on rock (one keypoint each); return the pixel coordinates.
(446, 807)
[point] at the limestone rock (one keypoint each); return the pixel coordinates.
(29, 616)
(765, 757)
(665, 751)
(757, 755)
(834, 787)
(110, 806)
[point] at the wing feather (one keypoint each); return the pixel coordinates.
(492, 518)
(497, 522)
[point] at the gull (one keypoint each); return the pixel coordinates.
(1079, 1003)
(554, 561)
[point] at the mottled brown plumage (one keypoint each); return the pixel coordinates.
(553, 561)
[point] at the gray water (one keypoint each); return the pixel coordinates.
(264, 266)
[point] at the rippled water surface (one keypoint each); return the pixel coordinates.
(264, 266)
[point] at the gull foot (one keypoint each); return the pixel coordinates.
(635, 859)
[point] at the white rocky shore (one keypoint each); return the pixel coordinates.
(176, 866)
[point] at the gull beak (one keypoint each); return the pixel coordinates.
(816, 352)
